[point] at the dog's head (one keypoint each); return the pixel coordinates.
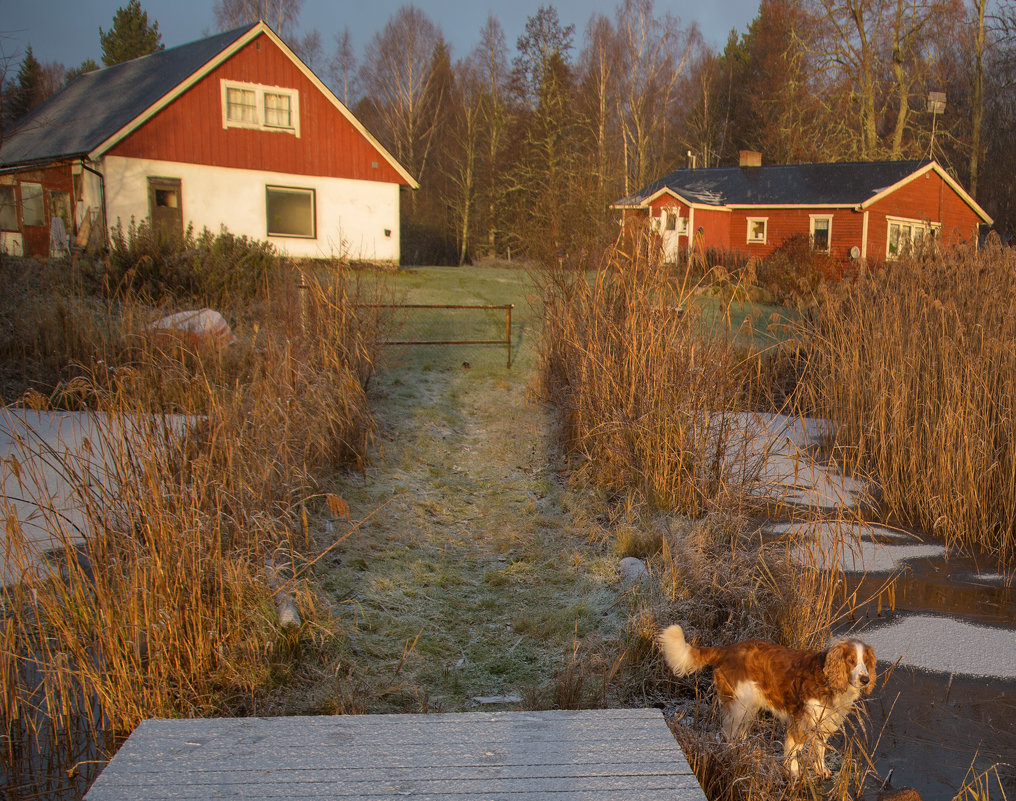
(850, 663)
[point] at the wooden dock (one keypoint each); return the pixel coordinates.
(594, 755)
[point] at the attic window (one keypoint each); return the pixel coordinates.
(265, 108)
(757, 230)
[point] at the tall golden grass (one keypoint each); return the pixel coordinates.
(643, 383)
(166, 607)
(916, 365)
(651, 397)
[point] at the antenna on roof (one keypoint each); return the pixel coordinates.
(936, 105)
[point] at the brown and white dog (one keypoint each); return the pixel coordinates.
(811, 691)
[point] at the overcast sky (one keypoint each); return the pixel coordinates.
(67, 31)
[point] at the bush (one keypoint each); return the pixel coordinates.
(213, 269)
(794, 271)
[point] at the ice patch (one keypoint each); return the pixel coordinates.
(946, 645)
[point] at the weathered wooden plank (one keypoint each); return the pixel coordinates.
(593, 754)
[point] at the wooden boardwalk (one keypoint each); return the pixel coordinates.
(595, 755)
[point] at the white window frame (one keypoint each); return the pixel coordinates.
(293, 190)
(259, 123)
(924, 226)
(814, 218)
(754, 240)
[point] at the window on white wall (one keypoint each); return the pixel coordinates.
(291, 212)
(757, 230)
(270, 108)
(821, 232)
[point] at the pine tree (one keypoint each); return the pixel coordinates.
(130, 37)
(26, 93)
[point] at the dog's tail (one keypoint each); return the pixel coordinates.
(682, 658)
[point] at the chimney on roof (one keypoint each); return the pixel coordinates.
(751, 158)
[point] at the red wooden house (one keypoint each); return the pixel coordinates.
(851, 210)
(231, 131)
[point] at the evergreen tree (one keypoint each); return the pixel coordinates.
(26, 93)
(88, 65)
(131, 36)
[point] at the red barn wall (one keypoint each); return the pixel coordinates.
(715, 225)
(190, 128)
(927, 198)
(847, 229)
(56, 178)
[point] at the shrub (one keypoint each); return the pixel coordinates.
(794, 271)
(213, 269)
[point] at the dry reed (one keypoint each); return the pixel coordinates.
(652, 401)
(916, 365)
(157, 603)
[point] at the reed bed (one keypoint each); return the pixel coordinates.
(158, 599)
(915, 363)
(644, 384)
(653, 397)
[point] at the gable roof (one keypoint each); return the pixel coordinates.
(95, 105)
(100, 108)
(831, 184)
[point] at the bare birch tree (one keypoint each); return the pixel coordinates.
(342, 66)
(651, 54)
(401, 86)
(281, 15)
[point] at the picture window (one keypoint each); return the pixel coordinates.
(291, 212)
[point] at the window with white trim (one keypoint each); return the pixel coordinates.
(290, 211)
(821, 232)
(268, 108)
(902, 234)
(757, 229)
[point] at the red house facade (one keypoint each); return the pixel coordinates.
(851, 210)
(233, 131)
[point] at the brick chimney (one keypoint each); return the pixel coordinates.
(751, 158)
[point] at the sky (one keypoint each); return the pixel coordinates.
(67, 31)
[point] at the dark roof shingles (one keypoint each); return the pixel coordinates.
(835, 183)
(98, 104)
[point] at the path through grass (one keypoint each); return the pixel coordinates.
(475, 575)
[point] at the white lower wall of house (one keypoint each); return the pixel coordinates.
(352, 216)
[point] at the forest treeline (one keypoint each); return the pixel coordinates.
(520, 148)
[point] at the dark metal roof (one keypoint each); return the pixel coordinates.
(829, 184)
(97, 104)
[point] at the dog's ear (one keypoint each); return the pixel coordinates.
(837, 671)
(869, 663)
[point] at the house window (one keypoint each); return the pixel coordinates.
(903, 234)
(821, 233)
(268, 108)
(241, 105)
(291, 212)
(33, 209)
(8, 209)
(757, 230)
(277, 112)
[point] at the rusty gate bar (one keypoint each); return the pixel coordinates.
(507, 326)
